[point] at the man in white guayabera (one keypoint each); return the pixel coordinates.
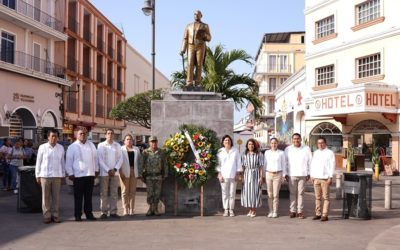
(81, 167)
(298, 160)
(109, 154)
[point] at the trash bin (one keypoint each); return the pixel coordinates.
(357, 200)
(29, 193)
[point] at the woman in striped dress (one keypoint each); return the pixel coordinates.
(252, 162)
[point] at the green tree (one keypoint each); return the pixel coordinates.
(137, 109)
(219, 77)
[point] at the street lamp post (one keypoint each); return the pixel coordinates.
(149, 8)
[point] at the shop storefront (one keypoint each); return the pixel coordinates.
(368, 115)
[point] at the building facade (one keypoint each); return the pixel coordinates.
(138, 80)
(279, 56)
(352, 71)
(32, 70)
(96, 63)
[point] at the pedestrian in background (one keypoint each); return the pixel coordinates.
(322, 170)
(16, 158)
(275, 169)
(81, 167)
(298, 160)
(229, 168)
(110, 159)
(5, 150)
(49, 172)
(153, 172)
(252, 163)
(128, 173)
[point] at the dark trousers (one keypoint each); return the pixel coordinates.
(6, 176)
(83, 189)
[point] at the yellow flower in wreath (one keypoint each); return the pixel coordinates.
(201, 172)
(191, 170)
(201, 144)
(176, 148)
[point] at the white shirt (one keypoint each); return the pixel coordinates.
(81, 159)
(125, 167)
(109, 156)
(298, 160)
(323, 164)
(50, 161)
(229, 162)
(275, 161)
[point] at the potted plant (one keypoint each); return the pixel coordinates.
(350, 158)
(375, 161)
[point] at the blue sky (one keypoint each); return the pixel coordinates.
(237, 24)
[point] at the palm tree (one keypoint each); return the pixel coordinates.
(218, 77)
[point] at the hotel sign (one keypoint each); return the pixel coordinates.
(368, 101)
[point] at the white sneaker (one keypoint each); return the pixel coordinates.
(231, 213)
(270, 215)
(226, 213)
(253, 215)
(15, 191)
(249, 214)
(274, 215)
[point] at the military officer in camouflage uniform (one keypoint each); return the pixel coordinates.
(153, 172)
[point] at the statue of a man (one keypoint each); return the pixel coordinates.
(194, 42)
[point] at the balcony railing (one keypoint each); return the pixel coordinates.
(37, 14)
(110, 82)
(73, 25)
(72, 64)
(119, 57)
(100, 77)
(87, 72)
(86, 108)
(100, 45)
(119, 85)
(111, 51)
(271, 69)
(27, 61)
(87, 35)
(99, 110)
(71, 103)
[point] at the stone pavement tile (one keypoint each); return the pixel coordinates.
(26, 231)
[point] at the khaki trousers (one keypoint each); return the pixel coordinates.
(50, 196)
(274, 181)
(128, 192)
(108, 202)
(296, 188)
(321, 188)
(228, 189)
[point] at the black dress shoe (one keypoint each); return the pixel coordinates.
(115, 216)
(78, 219)
(90, 217)
(317, 217)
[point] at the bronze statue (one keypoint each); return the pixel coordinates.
(194, 42)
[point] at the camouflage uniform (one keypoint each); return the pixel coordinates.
(154, 169)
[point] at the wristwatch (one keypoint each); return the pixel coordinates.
(115, 170)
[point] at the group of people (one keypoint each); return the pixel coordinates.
(296, 164)
(12, 157)
(123, 165)
(114, 164)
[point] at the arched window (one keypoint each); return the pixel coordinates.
(330, 132)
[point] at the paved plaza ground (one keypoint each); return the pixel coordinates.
(26, 231)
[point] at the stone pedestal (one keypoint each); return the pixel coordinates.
(199, 108)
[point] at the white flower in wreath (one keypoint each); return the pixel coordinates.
(196, 171)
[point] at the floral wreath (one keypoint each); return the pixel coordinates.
(178, 149)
